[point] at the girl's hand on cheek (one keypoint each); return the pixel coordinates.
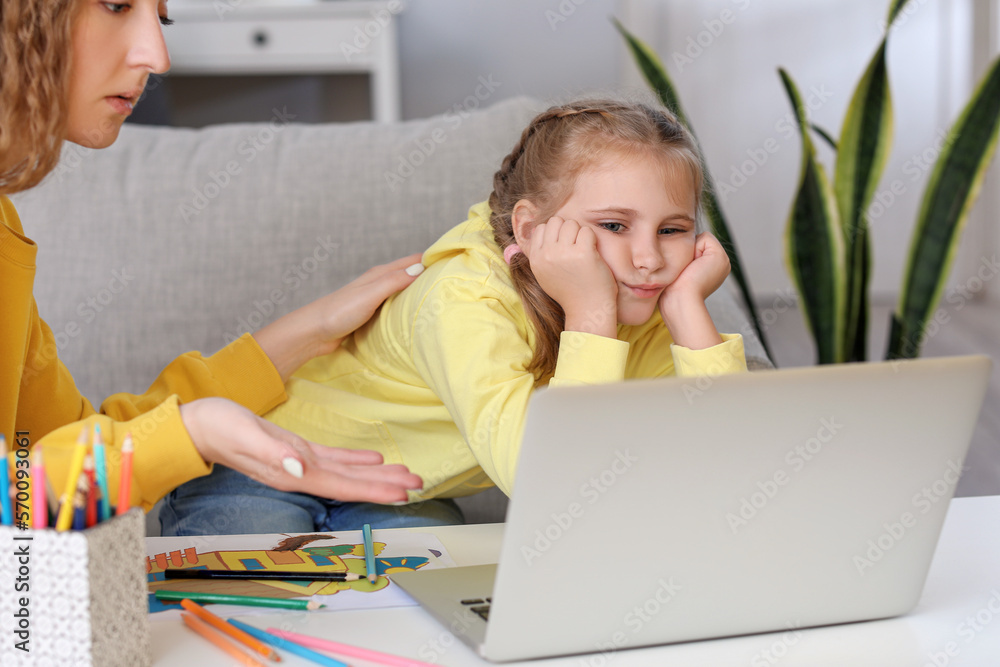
(567, 265)
(705, 274)
(682, 304)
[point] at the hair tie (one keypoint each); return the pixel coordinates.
(510, 251)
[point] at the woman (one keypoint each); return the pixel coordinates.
(72, 70)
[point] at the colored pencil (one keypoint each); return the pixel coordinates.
(217, 638)
(125, 485)
(91, 497)
(231, 630)
(348, 650)
(6, 511)
(291, 647)
(366, 531)
(65, 518)
(39, 503)
(101, 467)
(247, 600)
(173, 573)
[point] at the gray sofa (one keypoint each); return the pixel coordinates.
(176, 239)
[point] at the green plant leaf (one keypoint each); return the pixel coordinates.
(864, 146)
(656, 76)
(814, 244)
(953, 187)
(895, 7)
(824, 135)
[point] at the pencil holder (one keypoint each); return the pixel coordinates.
(75, 597)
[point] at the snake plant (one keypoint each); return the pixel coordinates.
(827, 246)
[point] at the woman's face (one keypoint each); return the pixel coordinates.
(116, 46)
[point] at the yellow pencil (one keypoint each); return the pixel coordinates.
(65, 518)
(230, 630)
(206, 631)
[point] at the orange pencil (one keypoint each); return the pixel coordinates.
(125, 484)
(206, 631)
(230, 630)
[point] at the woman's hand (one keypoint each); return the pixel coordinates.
(319, 327)
(567, 265)
(682, 304)
(229, 434)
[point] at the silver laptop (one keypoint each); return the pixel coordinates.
(658, 511)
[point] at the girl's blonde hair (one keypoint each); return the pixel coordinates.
(35, 52)
(555, 147)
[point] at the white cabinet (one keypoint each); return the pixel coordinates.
(247, 37)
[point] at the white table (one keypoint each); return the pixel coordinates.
(242, 37)
(957, 621)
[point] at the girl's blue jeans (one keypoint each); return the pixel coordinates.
(227, 502)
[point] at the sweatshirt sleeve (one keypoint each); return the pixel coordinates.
(726, 357)
(163, 458)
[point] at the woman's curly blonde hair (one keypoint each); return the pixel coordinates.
(35, 52)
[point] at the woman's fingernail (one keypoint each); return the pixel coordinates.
(292, 466)
(415, 269)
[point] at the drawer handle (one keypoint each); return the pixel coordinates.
(260, 38)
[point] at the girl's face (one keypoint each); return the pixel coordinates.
(644, 217)
(116, 46)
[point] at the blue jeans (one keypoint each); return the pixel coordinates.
(227, 502)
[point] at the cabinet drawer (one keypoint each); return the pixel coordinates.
(272, 45)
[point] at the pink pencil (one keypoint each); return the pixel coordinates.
(125, 485)
(351, 651)
(39, 506)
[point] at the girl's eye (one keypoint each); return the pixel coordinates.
(614, 227)
(116, 7)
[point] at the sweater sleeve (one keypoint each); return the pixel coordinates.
(726, 357)
(164, 456)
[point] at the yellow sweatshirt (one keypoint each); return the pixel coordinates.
(438, 380)
(40, 404)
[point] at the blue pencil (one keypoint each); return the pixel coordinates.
(289, 646)
(6, 511)
(366, 531)
(101, 470)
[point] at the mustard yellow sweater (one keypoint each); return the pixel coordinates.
(40, 404)
(438, 380)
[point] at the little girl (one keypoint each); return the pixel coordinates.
(583, 267)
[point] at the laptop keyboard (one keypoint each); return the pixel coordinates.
(480, 606)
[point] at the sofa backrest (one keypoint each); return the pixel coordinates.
(177, 239)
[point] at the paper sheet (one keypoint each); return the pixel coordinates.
(316, 552)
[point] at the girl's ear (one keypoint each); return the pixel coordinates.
(523, 220)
